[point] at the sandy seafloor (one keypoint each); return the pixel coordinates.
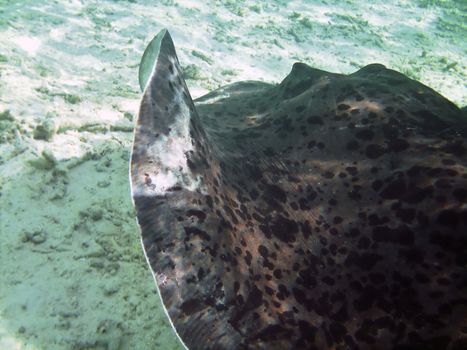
(72, 272)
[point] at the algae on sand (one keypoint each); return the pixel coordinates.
(67, 290)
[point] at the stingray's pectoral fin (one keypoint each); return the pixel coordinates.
(164, 158)
(168, 170)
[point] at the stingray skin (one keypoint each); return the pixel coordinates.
(325, 212)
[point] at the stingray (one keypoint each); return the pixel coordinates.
(324, 212)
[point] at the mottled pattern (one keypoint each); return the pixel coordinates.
(326, 212)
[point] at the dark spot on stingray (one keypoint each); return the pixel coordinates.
(268, 290)
(374, 151)
(284, 229)
(406, 215)
(171, 86)
(254, 172)
(307, 331)
(354, 195)
(460, 344)
(352, 145)
(401, 114)
(394, 190)
(401, 235)
(300, 109)
(248, 258)
(299, 295)
(374, 219)
(198, 213)
(367, 297)
(315, 120)
(294, 179)
(273, 192)
(209, 201)
(352, 170)
(435, 172)
(449, 218)
(304, 204)
(416, 194)
(343, 107)
(423, 220)
(328, 280)
(283, 292)
(192, 306)
(358, 97)
(366, 333)
(273, 333)
(412, 255)
(364, 261)
(460, 194)
(443, 183)
(398, 145)
(353, 232)
(306, 279)
(338, 331)
(174, 188)
(455, 148)
(365, 134)
(189, 231)
(448, 162)
(277, 273)
(420, 277)
(337, 220)
(254, 300)
(311, 144)
(363, 243)
(377, 278)
(306, 229)
(254, 194)
(450, 172)
(263, 251)
(416, 170)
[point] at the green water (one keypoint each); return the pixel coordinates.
(72, 272)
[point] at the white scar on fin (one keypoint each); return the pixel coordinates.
(166, 157)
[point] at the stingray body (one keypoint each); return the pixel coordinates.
(325, 212)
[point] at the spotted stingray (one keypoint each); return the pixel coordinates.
(325, 212)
